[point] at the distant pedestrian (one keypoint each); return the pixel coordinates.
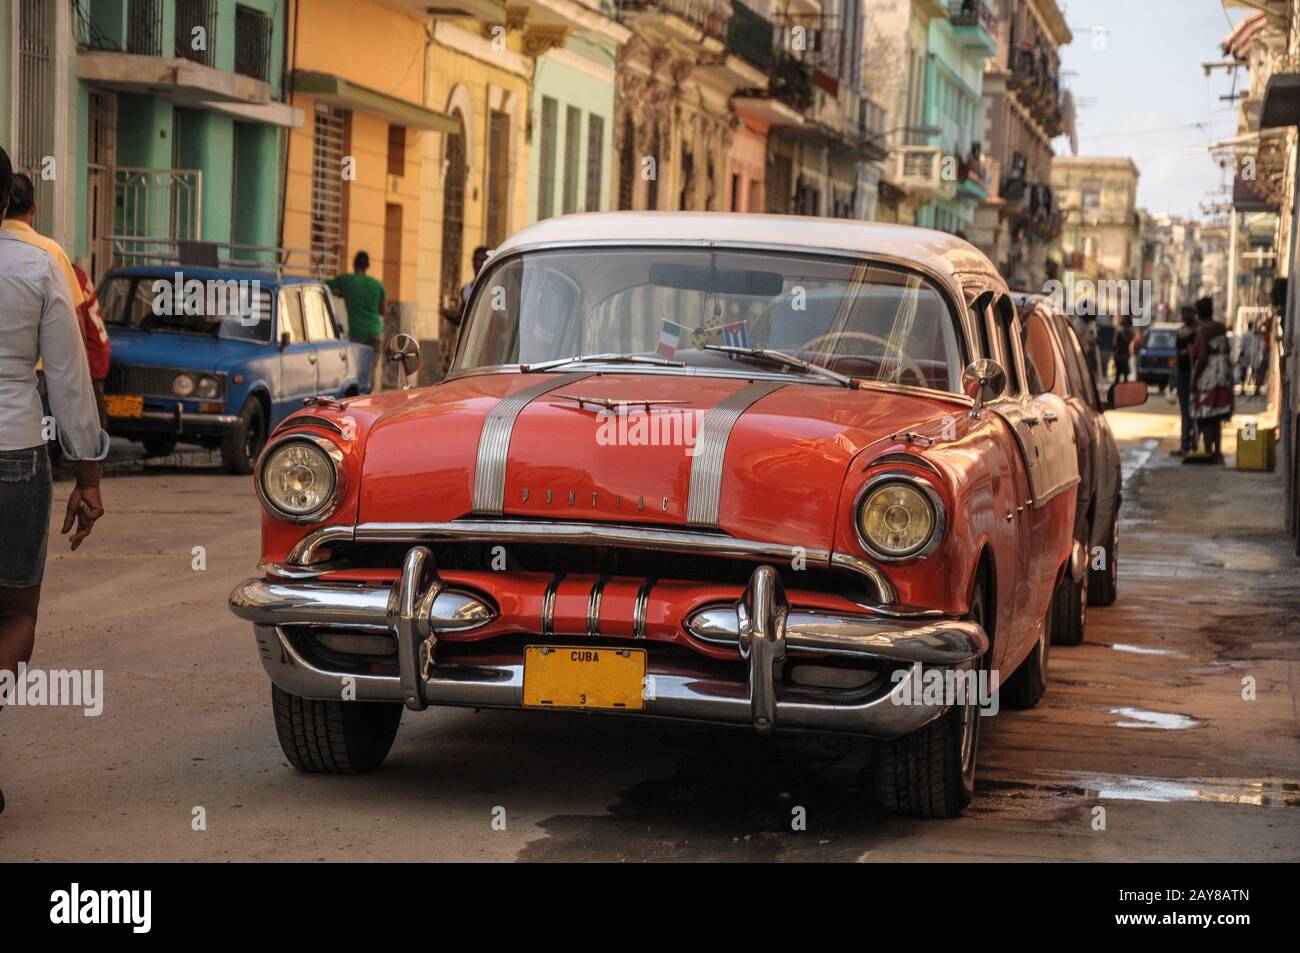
(364, 298)
(1125, 338)
(1183, 379)
(38, 322)
(1212, 398)
(1260, 359)
(94, 335)
(479, 259)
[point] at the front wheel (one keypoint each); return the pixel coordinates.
(1072, 618)
(334, 737)
(1028, 683)
(931, 772)
(240, 447)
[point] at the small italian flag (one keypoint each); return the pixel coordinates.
(670, 336)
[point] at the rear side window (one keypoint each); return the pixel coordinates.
(316, 317)
(291, 317)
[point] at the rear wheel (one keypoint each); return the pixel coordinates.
(240, 447)
(334, 737)
(1103, 583)
(931, 772)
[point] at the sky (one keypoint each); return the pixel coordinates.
(1135, 70)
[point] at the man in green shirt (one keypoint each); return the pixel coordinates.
(364, 297)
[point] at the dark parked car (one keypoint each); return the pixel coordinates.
(1157, 357)
(218, 357)
(1055, 363)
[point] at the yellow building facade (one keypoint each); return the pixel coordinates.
(356, 167)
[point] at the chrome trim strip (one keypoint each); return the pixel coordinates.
(548, 604)
(494, 441)
(593, 606)
(305, 551)
(640, 606)
(711, 448)
(595, 534)
(308, 420)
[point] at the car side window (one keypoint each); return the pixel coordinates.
(316, 317)
(291, 317)
(1040, 360)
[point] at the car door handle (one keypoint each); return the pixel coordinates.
(312, 357)
(343, 355)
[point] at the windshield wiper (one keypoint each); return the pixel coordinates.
(787, 360)
(599, 359)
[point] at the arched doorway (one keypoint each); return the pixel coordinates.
(453, 241)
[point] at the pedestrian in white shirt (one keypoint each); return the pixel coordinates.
(38, 323)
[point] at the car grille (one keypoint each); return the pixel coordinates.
(149, 381)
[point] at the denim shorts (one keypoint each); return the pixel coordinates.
(26, 492)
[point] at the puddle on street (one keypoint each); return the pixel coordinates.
(1046, 792)
(1163, 720)
(1142, 649)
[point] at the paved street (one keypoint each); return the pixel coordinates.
(1146, 719)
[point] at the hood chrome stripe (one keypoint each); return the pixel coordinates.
(711, 448)
(494, 442)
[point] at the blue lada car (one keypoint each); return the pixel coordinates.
(218, 357)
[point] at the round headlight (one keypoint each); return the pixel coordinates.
(298, 480)
(208, 387)
(898, 519)
(182, 385)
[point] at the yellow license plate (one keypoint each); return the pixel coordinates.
(557, 676)
(122, 405)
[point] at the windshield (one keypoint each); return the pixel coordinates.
(869, 321)
(229, 309)
(1162, 338)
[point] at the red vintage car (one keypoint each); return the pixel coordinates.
(777, 472)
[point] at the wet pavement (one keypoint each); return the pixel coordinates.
(1144, 747)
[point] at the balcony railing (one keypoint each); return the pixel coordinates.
(253, 43)
(196, 30)
(791, 81)
(750, 37)
(144, 27)
(973, 13)
(712, 17)
(812, 38)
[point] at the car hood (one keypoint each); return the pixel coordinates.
(777, 474)
(197, 352)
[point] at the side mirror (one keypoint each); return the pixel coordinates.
(982, 381)
(1126, 394)
(285, 340)
(404, 351)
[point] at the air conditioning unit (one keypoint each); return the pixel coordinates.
(919, 169)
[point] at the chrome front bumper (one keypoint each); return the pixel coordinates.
(761, 625)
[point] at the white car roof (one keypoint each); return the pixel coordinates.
(940, 252)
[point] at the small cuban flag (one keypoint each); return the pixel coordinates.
(670, 336)
(735, 334)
